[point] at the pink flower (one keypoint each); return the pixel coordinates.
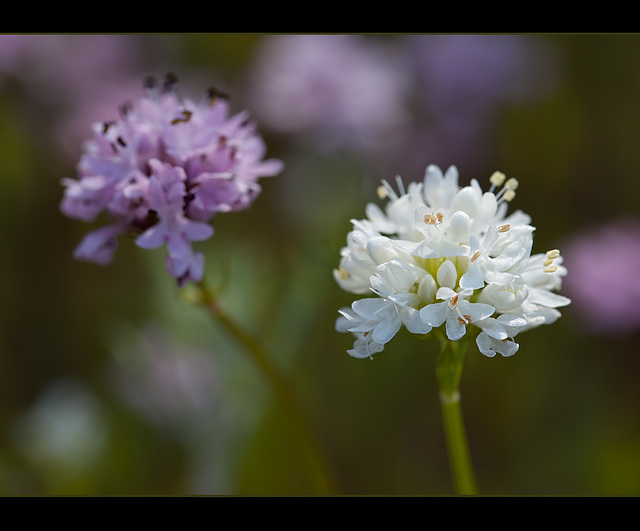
(604, 282)
(164, 169)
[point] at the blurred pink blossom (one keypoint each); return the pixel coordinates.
(604, 283)
(335, 90)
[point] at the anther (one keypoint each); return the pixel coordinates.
(497, 178)
(186, 116)
(433, 219)
(553, 254)
(504, 228)
(170, 82)
(551, 269)
(465, 319)
(475, 256)
(213, 94)
(149, 83)
(508, 195)
(511, 184)
(454, 300)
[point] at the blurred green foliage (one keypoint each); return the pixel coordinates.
(560, 417)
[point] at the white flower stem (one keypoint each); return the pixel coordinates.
(449, 370)
(279, 383)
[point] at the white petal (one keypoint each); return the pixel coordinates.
(439, 189)
(385, 330)
(455, 329)
(412, 320)
(493, 328)
(473, 278)
(547, 298)
(427, 288)
(475, 310)
(459, 228)
(447, 274)
(434, 314)
(445, 293)
(370, 308)
(381, 250)
(489, 346)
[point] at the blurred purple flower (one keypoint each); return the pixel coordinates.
(57, 67)
(168, 383)
(462, 82)
(336, 90)
(604, 282)
(152, 170)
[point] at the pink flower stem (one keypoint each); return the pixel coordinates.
(279, 383)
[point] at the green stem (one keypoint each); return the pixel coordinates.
(449, 371)
(280, 385)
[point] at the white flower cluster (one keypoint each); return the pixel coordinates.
(443, 256)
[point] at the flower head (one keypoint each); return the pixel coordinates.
(449, 259)
(163, 170)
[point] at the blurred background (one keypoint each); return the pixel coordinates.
(111, 383)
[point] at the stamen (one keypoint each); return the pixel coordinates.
(512, 184)
(433, 219)
(170, 82)
(464, 319)
(186, 116)
(504, 228)
(213, 94)
(454, 300)
(508, 195)
(475, 256)
(385, 190)
(497, 179)
(550, 257)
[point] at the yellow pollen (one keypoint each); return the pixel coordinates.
(497, 178)
(551, 269)
(548, 262)
(509, 195)
(504, 228)
(382, 192)
(475, 256)
(552, 254)
(511, 184)
(344, 274)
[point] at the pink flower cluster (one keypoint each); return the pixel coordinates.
(162, 171)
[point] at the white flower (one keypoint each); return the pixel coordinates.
(442, 257)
